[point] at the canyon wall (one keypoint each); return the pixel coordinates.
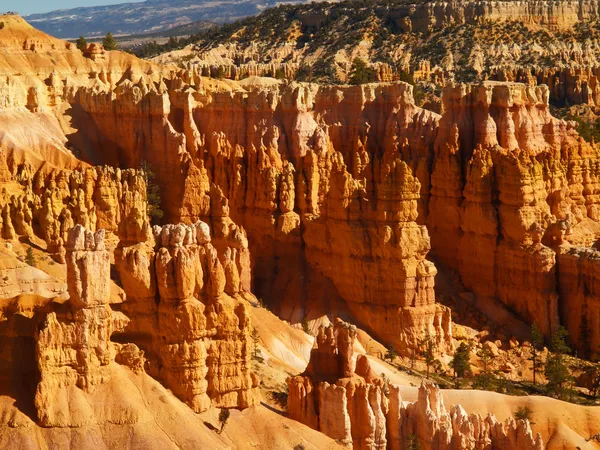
(184, 303)
(349, 181)
(183, 321)
(343, 190)
(430, 16)
(44, 205)
(342, 397)
(314, 173)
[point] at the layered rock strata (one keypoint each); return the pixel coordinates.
(183, 298)
(340, 396)
(350, 186)
(324, 176)
(510, 184)
(183, 322)
(342, 181)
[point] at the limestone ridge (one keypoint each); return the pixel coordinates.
(342, 397)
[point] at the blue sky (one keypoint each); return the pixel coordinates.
(25, 7)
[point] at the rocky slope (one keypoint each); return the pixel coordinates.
(430, 43)
(323, 201)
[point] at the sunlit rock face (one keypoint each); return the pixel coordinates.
(341, 396)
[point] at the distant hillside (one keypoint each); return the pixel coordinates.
(146, 17)
(430, 43)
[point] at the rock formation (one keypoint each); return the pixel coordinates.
(183, 298)
(326, 185)
(342, 397)
(74, 348)
(43, 206)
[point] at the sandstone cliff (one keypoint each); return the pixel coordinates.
(183, 299)
(342, 397)
(314, 173)
(311, 166)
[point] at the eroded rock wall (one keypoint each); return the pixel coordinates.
(322, 177)
(44, 205)
(510, 184)
(340, 396)
(183, 298)
(436, 15)
(73, 346)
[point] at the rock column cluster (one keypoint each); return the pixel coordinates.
(74, 349)
(182, 299)
(342, 397)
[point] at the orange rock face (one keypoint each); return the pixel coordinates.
(73, 348)
(345, 400)
(357, 185)
(43, 206)
(510, 185)
(324, 179)
(183, 300)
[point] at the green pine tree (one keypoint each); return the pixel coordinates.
(391, 353)
(460, 363)
(412, 443)
(30, 257)
(427, 350)
(537, 341)
(361, 73)
(223, 418)
(81, 43)
(556, 370)
(152, 194)
(109, 42)
(485, 377)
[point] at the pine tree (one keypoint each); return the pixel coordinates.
(485, 377)
(361, 73)
(537, 340)
(109, 42)
(255, 350)
(152, 194)
(412, 443)
(30, 257)
(460, 363)
(81, 43)
(223, 418)
(524, 413)
(391, 353)
(427, 350)
(556, 369)
(584, 335)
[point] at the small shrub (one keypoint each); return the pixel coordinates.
(391, 353)
(305, 326)
(30, 257)
(281, 398)
(524, 413)
(223, 418)
(81, 42)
